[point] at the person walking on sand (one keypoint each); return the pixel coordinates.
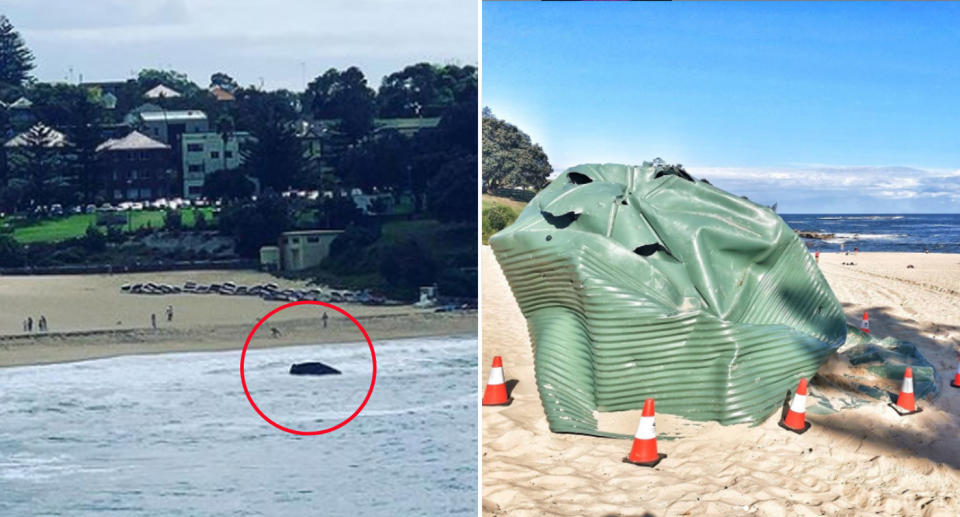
(325, 318)
(169, 312)
(153, 320)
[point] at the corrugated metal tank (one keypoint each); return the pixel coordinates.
(643, 282)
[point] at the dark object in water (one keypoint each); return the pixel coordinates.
(313, 369)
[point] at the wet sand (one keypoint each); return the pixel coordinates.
(89, 317)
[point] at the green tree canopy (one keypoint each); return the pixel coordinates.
(425, 90)
(16, 60)
(346, 97)
(150, 77)
(510, 158)
(275, 157)
(223, 81)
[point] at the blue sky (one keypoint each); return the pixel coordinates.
(821, 107)
(281, 40)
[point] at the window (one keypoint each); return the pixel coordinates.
(214, 154)
(313, 238)
(144, 156)
(195, 167)
(133, 174)
(117, 194)
(228, 154)
(194, 148)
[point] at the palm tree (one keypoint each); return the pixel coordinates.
(226, 128)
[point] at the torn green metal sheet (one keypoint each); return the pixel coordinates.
(878, 366)
(638, 282)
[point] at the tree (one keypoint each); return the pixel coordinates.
(11, 252)
(16, 60)
(225, 128)
(38, 160)
(381, 163)
(150, 77)
(274, 157)
(346, 97)
(455, 137)
(224, 81)
(227, 185)
(510, 158)
(255, 108)
(405, 266)
(425, 90)
(256, 224)
(453, 191)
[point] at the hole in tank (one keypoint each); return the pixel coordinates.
(549, 238)
(559, 221)
(649, 249)
(578, 178)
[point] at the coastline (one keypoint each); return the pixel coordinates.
(52, 348)
(90, 318)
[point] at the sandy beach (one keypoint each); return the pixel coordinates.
(863, 461)
(89, 317)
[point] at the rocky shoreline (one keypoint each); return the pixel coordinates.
(807, 234)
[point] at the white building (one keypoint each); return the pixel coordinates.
(167, 126)
(205, 153)
(305, 248)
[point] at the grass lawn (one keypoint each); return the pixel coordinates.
(491, 201)
(68, 227)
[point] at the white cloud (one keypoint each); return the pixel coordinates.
(106, 39)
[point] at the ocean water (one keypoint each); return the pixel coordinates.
(940, 233)
(173, 434)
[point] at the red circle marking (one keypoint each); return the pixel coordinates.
(243, 379)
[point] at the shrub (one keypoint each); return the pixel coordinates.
(11, 252)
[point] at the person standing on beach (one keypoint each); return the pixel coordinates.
(42, 323)
(325, 318)
(153, 320)
(29, 324)
(169, 312)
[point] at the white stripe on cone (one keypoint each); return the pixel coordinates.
(958, 368)
(799, 404)
(907, 385)
(865, 325)
(496, 376)
(647, 430)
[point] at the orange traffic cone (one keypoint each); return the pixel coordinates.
(956, 378)
(865, 324)
(796, 416)
(906, 405)
(496, 393)
(644, 450)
